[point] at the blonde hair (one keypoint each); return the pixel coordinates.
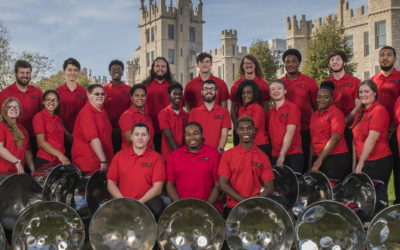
(15, 131)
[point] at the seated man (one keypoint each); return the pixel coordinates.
(138, 172)
(245, 169)
(192, 170)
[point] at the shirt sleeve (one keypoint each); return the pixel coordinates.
(2, 133)
(380, 120)
(159, 170)
(267, 173)
(163, 120)
(113, 171)
(313, 91)
(126, 121)
(89, 127)
(397, 112)
(227, 119)
(294, 115)
(337, 123)
(192, 116)
(223, 91)
(215, 162)
(170, 168)
(259, 118)
(38, 124)
(224, 166)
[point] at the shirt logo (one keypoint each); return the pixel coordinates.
(35, 96)
(146, 164)
(284, 115)
(369, 116)
(395, 81)
(218, 116)
(203, 158)
(328, 117)
(256, 164)
(301, 85)
(348, 84)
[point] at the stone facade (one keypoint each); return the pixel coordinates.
(366, 30)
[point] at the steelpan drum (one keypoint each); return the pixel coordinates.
(17, 192)
(259, 223)
(358, 193)
(3, 240)
(329, 225)
(286, 187)
(384, 230)
(49, 225)
(190, 224)
(313, 187)
(123, 224)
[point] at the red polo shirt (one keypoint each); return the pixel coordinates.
(212, 122)
(388, 89)
(397, 118)
(323, 125)
(157, 98)
(193, 95)
(194, 174)
(302, 91)
(136, 174)
(129, 118)
(246, 170)
(374, 118)
(8, 142)
(263, 85)
(278, 119)
(90, 124)
(118, 99)
(256, 112)
(71, 102)
(52, 128)
(345, 92)
(30, 103)
(169, 119)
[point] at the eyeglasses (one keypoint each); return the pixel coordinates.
(13, 107)
(99, 94)
(209, 89)
(248, 63)
(54, 100)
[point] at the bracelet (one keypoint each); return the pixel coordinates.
(103, 162)
(18, 161)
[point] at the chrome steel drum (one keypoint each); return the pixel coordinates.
(49, 225)
(123, 224)
(17, 192)
(259, 223)
(358, 193)
(190, 224)
(313, 187)
(329, 225)
(96, 191)
(286, 187)
(384, 230)
(3, 240)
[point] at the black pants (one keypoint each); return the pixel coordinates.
(294, 161)
(235, 138)
(266, 148)
(348, 137)
(336, 166)
(393, 143)
(116, 139)
(306, 144)
(157, 142)
(156, 206)
(379, 169)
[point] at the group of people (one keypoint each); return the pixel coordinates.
(158, 132)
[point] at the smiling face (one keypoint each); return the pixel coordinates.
(193, 137)
(209, 92)
(292, 64)
(205, 65)
(116, 72)
(245, 131)
(336, 63)
(50, 102)
(13, 110)
(140, 137)
(160, 67)
(386, 59)
(249, 66)
(247, 94)
(176, 96)
(277, 91)
(23, 76)
(324, 99)
(71, 73)
(96, 98)
(138, 98)
(366, 95)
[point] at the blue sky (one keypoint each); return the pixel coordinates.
(97, 31)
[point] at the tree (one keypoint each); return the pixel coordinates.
(326, 38)
(58, 79)
(5, 56)
(263, 53)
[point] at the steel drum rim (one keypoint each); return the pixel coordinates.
(56, 169)
(296, 180)
(87, 193)
(326, 179)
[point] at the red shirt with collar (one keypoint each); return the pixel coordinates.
(136, 174)
(157, 98)
(212, 122)
(90, 124)
(194, 174)
(31, 102)
(169, 119)
(257, 113)
(374, 118)
(246, 170)
(118, 99)
(7, 139)
(52, 128)
(388, 90)
(278, 119)
(302, 91)
(262, 84)
(397, 118)
(193, 96)
(345, 92)
(129, 118)
(71, 102)
(323, 125)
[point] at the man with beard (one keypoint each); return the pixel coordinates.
(192, 170)
(213, 118)
(245, 169)
(192, 95)
(157, 97)
(117, 100)
(345, 96)
(302, 91)
(388, 82)
(28, 96)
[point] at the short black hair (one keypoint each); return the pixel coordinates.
(116, 62)
(293, 52)
(329, 85)
(254, 86)
(202, 56)
(138, 86)
(91, 87)
(22, 64)
(389, 47)
(71, 61)
(140, 125)
(338, 53)
(245, 118)
(174, 86)
(51, 91)
(209, 81)
(194, 124)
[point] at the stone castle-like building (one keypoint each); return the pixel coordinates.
(367, 29)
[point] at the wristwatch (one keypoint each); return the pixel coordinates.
(18, 161)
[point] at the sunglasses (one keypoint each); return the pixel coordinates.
(99, 94)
